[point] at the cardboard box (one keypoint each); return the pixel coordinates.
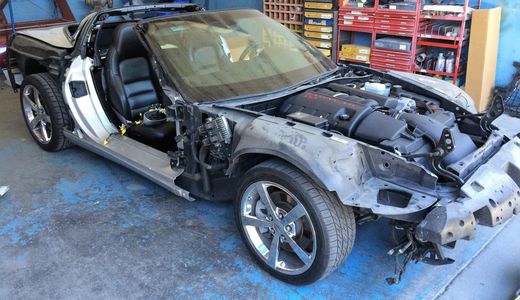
(482, 57)
(355, 52)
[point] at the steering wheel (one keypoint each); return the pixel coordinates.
(254, 47)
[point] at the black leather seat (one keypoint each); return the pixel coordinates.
(133, 89)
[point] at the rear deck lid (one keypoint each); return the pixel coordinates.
(56, 36)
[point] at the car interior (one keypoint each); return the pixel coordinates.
(133, 88)
(129, 86)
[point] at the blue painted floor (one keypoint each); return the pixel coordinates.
(76, 225)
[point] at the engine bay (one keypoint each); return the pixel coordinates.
(383, 114)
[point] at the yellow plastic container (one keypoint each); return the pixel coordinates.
(319, 15)
(316, 28)
(326, 52)
(318, 35)
(318, 5)
(321, 44)
(355, 52)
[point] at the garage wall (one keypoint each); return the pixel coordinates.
(509, 50)
(30, 10)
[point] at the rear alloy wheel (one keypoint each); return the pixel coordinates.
(44, 111)
(293, 228)
(38, 119)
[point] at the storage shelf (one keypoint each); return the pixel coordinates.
(433, 72)
(436, 44)
(404, 23)
(355, 29)
(444, 18)
(354, 60)
(401, 52)
(289, 22)
(321, 25)
(396, 11)
(287, 12)
(440, 37)
(355, 8)
(284, 11)
(284, 4)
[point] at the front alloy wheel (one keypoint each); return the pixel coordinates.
(293, 228)
(279, 227)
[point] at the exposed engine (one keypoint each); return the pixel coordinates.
(382, 115)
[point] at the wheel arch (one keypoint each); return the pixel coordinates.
(243, 161)
(338, 164)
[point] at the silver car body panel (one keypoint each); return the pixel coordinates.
(355, 171)
(97, 134)
(144, 160)
(489, 197)
(507, 126)
(360, 174)
(449, 91)
(87, 110)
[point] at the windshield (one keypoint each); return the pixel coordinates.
(230, 54)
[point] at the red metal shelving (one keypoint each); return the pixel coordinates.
(447, 42)
(445, 18)
(433, 72)
(437, 44)
(381, 21)
(438, 37)
(352, 60)
(413, 24)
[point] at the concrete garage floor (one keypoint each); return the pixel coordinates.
(75, 225)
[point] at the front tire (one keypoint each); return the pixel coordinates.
(44, 111)
(294, 229)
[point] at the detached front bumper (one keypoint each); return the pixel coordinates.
(491, 196)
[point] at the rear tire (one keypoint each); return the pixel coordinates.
(44, 111)
(332, 223)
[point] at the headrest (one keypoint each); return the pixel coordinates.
(127, 42)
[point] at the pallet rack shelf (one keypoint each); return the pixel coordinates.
(287, 12)
(362, 24)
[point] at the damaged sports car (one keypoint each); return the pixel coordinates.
(231, 105)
